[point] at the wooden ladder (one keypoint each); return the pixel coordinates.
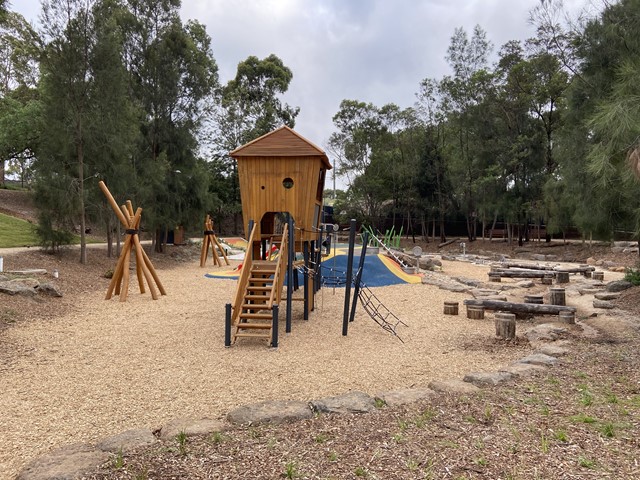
(255, 319)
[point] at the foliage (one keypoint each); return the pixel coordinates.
(632, 275)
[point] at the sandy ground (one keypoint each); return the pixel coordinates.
(108, 366)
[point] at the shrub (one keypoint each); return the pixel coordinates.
(632, 275)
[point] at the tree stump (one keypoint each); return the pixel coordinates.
(495, 278)
(537, 299)
(567, 317)
(505, 325)
(547, 280)
(475, 312)
(598, 276)
(557, 296)
(451, 308)
(562, 277)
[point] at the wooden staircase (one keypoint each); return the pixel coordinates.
(259, 289)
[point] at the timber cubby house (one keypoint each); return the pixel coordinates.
(281, 176)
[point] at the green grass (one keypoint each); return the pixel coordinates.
(15, 232)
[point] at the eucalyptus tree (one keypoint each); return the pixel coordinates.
(599, 125)
(19, 105)
(434, 181)
(463, 92)
(65, 89)
(248, 107)
(173, 77)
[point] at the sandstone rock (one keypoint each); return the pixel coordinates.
(607, 295)
(275, 411)
(544, 332)
(3, 278)
(538, 256)
(404, 396)
(191, 426)
(472, 282)
(67, 463)
(618, 269)
(618, 286)
(352, 402)
(26, 282)
(591, 261)
(453, 288)
(522, 369)
(483, 379)
(552, 350)
(11, 288)
(617, 249)
(624, 243)
(630, 250)
(453, 386)
(49, 289)
(483, 292)
(538, 359)
(127, 441)
(603, 304)
(525, 284)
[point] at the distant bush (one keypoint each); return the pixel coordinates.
(50, 238)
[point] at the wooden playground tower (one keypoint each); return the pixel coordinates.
(282, 178)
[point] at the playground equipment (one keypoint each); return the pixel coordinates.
(144, 267)
(282, 178)
(210, 240)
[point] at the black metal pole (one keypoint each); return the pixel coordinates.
(227, 325)
(356, 290)
(318, 265)
(274, 326)
(305, 279)
(347, 289)
(290, 260)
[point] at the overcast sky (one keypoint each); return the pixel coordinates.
(374, 51)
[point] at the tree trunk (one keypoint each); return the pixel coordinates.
(83, 227)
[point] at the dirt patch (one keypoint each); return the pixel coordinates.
(18, 203)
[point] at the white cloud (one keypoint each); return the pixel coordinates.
(370, 50)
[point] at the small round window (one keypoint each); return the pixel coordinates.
(287, 183)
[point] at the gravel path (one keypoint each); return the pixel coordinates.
(107, 366)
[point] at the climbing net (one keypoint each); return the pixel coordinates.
(378, 312)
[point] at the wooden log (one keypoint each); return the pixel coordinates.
(547, 280)
(475, 312)
(581, 269)
(505, 325)
(444, 244)
(451, 308)
(557, 296)
(598, 276)
(567, 317)
(520, 274)
(537, 299)
(562, 277)
(530, 308)
(528, 266)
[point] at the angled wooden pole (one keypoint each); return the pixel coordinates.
(144, 268)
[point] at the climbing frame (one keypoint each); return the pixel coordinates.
(144, 268)
(210, 240)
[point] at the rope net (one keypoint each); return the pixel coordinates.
(371, 304)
